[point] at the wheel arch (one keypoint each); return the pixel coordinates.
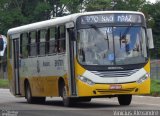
(26, 83)
(61, 83)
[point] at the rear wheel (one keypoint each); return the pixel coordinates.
(124, 99)
(29, 97)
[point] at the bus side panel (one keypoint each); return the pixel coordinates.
(43, 74)
(10, 76)
(44, 86)
(9, 65)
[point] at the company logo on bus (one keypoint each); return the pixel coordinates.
(114, 68)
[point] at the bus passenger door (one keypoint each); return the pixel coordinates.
(16, 79)
(71, 54)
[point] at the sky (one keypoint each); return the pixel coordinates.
(152, 1)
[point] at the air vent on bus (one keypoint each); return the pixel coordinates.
(123, 73)
(106, 91)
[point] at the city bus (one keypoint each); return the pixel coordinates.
(100, 54)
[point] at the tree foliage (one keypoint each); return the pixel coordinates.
(133, 5)
(19, 12)
(95, 5)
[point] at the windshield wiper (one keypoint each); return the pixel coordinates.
(98, 31)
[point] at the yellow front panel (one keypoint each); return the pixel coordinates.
(104, 89)
(84, 89)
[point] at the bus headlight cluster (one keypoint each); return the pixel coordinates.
(86, 80)
(143, 78)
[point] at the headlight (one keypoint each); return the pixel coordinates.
(143, 78)
(86, 80)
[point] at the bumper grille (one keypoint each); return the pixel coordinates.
(106, 91)
(106, 74)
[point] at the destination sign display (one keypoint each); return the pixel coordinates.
(111, 18)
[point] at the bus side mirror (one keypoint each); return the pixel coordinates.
(72, 34)
(150, 38)
(1, 44)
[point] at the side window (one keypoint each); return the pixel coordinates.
(43, 36)
(24, 45)
(62, 39)
(32, 43)
(52, 43)
(47, 41)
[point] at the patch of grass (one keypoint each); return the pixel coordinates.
(155, 87)
(4, 83)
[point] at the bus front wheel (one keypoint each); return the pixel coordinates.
(124, 99)
(67, 101)
(84, 99)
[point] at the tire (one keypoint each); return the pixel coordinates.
(39, 100)
(84, 99)
(28, 94)
(67, 101)
(33, 100)
(124, 99)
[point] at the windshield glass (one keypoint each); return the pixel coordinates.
(112, 45)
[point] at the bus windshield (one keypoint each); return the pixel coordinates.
(120, 45)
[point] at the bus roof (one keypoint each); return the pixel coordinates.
(59, 20)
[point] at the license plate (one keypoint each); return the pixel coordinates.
(115, 87)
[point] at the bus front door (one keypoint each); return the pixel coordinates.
(16, 67)
(71, 55)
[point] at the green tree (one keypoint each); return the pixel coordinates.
(95, 5)
(133, 5)
(73, 6)
(19, 12)
(154, 23)
(92, 5)
(10, 15)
